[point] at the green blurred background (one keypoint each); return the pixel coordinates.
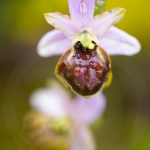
(126, 123)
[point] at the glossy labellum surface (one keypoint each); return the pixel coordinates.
(84, 70)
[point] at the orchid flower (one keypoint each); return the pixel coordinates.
(57, 122)
(86, 41)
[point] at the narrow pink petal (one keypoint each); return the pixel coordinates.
(82, 139)
(49, 102)
(118, 42)
(88, 110)
(81, 10)
(100, 24)
(64, 23)
(53, 43)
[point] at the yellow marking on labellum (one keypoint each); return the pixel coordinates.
(109, 80)
(100, 54)
(70, 56)
(63, 81)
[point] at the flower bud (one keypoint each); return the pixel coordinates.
(45, 133)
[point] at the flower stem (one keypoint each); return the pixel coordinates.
(99, 6)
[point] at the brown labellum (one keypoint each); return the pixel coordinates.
(84, 70)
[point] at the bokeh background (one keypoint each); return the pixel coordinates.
(125, 123)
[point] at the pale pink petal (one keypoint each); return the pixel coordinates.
(100, 24)
(81, 10)
(64, 23)
(53, 43)
(49, 102)
(88, 110)
(118, 42)
(82, 139)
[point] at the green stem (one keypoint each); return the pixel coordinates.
(101, 8)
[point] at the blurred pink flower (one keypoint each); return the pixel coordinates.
(57, 104)
(111, 39)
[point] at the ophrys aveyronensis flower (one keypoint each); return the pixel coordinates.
(86, 43)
